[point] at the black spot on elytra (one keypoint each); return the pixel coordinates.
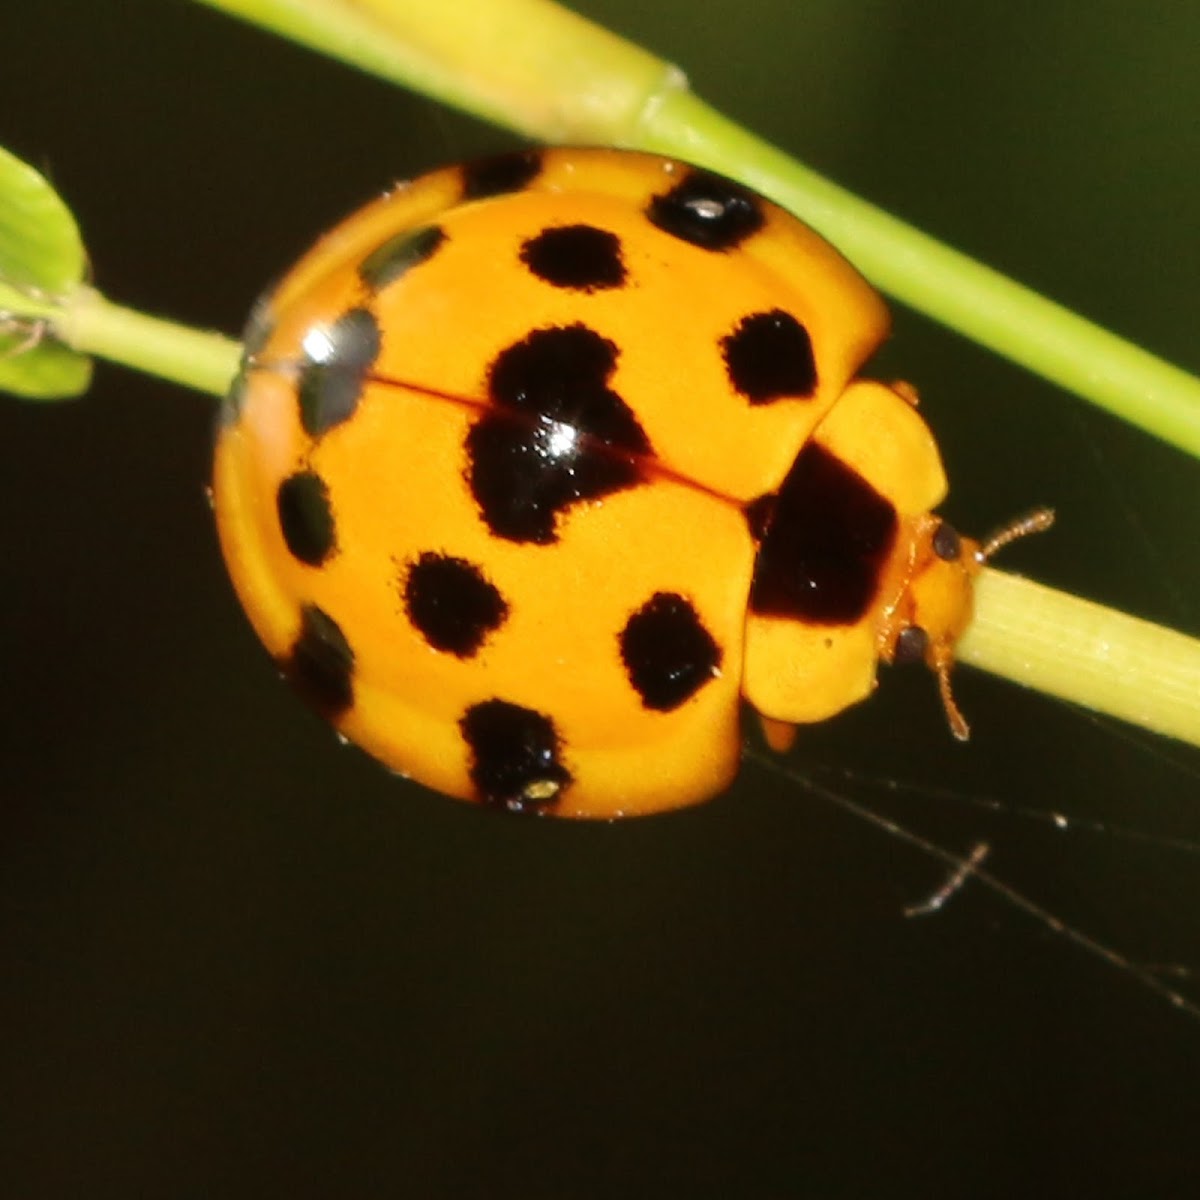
(399, 254)
(560, 374)
(306, 517)
(515, 756)
(332, 378)
(708, 211)
(579, 258)
(827, 542)
(769, 356)
(500, 174)
(556, 434)
(451, 603)
(525, 473)
(320, 665)
(668, 653)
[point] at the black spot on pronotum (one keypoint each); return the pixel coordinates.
(770, 356)
(578, 258)
(911, 644)
(338, 358)
(451, 603)
(399, 255)
(826, 544)
(946, 543)
(708, 211)
(500, 174)
(320, 665)
(668, 653)
(306, 517)
(515, 756)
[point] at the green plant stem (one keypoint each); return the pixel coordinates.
(528, 65)
(1085, 653)
(561, 78)
(89, 323)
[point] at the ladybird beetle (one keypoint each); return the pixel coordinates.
(536, 467)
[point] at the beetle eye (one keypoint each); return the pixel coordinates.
(911, 645)
(946, 542)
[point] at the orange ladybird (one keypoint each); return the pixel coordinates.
(538, 466)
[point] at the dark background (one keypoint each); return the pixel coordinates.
(238, 959)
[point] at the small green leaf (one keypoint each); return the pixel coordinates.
(40, 246)
(41, 261)
(42, 370)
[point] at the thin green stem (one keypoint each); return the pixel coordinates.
(195, 358)
(1085, 653)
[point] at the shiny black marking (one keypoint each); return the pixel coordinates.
(306, 517)
(524, 473)
(501, 174)
(321, 664)
(826, 545)
(331, 384)
(515, 756)
(708, 211)
(579, 258)
(946, 542)
(769, 356)
(398, 255)
(911, 644)
(561, 374)
(451, 603)
(668, 653)
(555, 435)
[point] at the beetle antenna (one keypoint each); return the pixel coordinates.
(1037, 521)
(958, 723)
